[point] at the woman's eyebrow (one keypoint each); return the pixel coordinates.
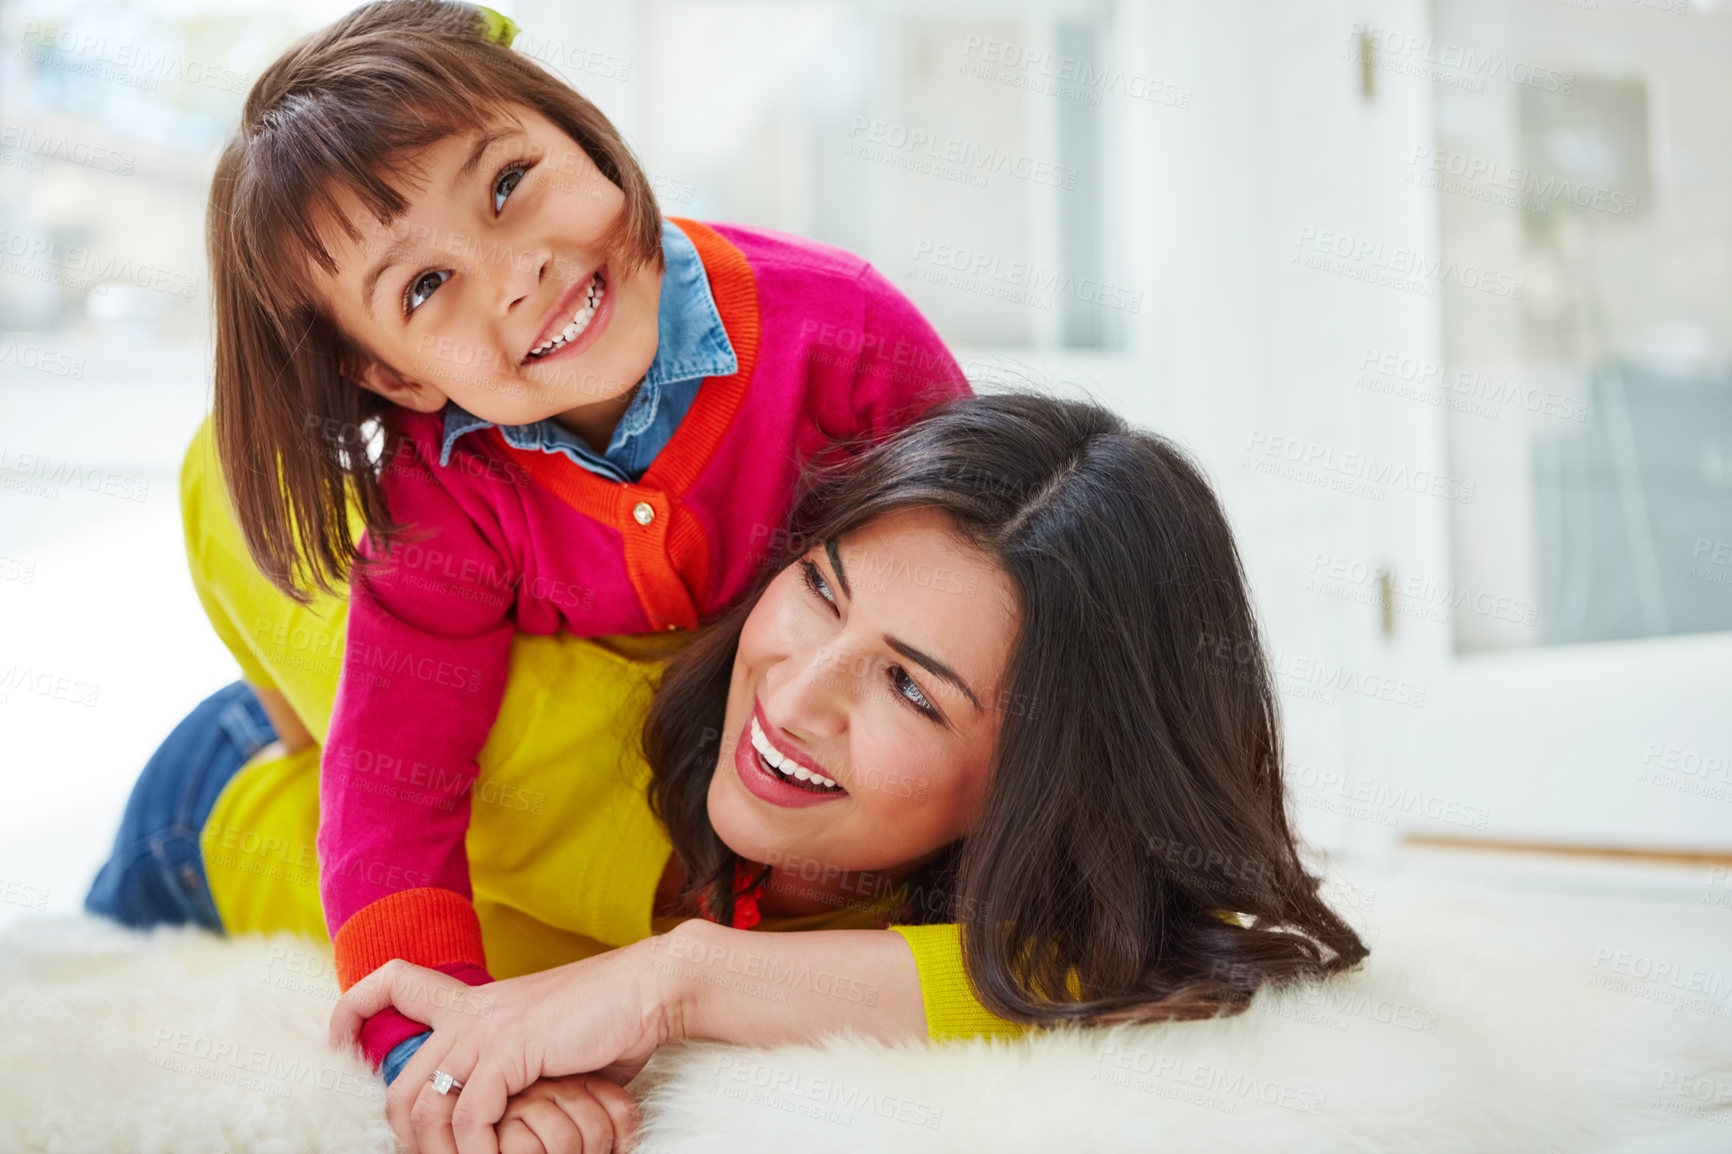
(835, 555)
(931, 664)
(934, 666)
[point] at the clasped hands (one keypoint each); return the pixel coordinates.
(543, 1058)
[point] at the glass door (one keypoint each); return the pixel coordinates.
(1583, 150)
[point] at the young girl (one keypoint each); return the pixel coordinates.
(444, 293)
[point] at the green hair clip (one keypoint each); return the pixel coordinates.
(500, 29)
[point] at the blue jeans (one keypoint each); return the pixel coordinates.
(156, 873)
(400, 1055)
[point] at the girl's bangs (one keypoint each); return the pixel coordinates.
(311, 164)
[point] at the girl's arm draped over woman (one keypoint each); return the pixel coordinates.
(581, 419)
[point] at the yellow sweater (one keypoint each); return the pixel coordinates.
(564, 853)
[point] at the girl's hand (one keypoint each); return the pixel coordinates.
(582, 1114)
(604, 1015)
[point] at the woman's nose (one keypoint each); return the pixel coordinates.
(807, 696)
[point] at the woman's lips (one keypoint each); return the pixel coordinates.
(764, 782)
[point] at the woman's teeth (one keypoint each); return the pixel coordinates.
(786, 766)
(579, 322)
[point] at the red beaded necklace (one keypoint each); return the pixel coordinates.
(746, 913)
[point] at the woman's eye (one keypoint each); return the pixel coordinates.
(905, 686)
(503, 186)
(816, 583)
(421, 288)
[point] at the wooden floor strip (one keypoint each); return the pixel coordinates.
(1621, 853)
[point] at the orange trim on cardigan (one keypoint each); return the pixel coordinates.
(667, 552)
(429, 926)
(735, 290)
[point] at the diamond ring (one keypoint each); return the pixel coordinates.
(443, 1082)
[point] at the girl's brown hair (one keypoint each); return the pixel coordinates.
(341, 111)
(1136, 783)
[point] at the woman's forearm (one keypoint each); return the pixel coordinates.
(759, 989)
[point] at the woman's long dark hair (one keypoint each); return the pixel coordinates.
(1136, 784)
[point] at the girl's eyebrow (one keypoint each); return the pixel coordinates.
(397, 252)
(488, 140)
(392, 255)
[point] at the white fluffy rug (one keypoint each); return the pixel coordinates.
(1483, 1022)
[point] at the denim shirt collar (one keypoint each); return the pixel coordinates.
(691, 344)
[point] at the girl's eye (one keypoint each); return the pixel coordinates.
(505, 183)
(421, 288)
(503, 186)
(904, 685)
(816, 583)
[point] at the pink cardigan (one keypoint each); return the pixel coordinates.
(522, 540)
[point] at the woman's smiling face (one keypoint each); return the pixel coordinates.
(876, 662)
(500, 251)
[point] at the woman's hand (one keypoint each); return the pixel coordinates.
(604, 1015)
(581, 1114)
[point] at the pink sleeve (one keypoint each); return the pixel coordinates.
(424, 670)
(381, 1033)
(904, 366)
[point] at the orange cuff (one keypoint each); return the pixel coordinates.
(428, 926)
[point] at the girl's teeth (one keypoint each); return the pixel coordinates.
(577, 323)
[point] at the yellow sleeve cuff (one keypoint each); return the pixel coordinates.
(952, 1010)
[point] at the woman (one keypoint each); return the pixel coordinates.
(1016, 638)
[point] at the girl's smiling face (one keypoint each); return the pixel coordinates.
(503, 249)
(876, 662)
